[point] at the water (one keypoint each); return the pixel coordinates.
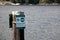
(42, 22)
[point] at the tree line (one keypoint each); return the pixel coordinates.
(35, 1)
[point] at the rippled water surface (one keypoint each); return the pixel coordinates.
(42, 22)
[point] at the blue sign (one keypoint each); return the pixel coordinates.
(20, 21)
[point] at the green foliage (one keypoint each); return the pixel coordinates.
(7, 0)
(19, 1)
(33, 1)
(57, 1)
(50, 1)
(53, 1)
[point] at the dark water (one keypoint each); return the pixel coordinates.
(42, 22)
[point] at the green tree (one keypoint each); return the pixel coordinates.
(34, 1)
(57, 1)
(50, 1)
(7, 0)
(19, 1)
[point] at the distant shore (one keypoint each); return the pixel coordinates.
(42, 4)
